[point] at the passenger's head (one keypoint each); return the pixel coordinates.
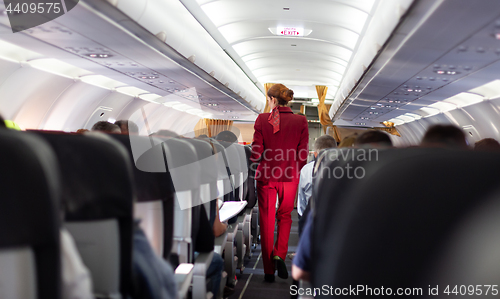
(127, 127)
(324, 142)
(487, 145)
(444, 136)
(348, 141)
(373, 138)
(2, 123)
(280, 95)
(165, 133)
(12, 125)
(203, 136)
(81, 131)
(105, 126)
(227, 136)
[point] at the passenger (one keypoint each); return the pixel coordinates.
(76, 280)
(300, 113)
(153, 277)
(81, 131)
(301, 263)
(487, 144)
(105, 126)
(305, 183)
(227, 136)
(2, 123)
(444, 136)
(127, 127)
(276, 135)
(165, 133)
(348, 141)
(302, 260)
(214, 271)
(12, 125)
(373, 138)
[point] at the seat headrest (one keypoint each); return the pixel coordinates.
(151, 176)
(29, 180)
(96, 176)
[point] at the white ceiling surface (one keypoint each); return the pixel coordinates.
(72, 37)
(445, 56)
(337, 27)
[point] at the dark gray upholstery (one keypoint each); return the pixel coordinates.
(152, 181)
(29, 208)
(97, 187)
(387, 228)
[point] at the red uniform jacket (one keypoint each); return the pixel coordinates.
(283, 154)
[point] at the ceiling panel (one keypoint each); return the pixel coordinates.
(437, 61)
(332, 31)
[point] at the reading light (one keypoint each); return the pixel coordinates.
(98, 55)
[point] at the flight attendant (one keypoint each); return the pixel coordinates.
(280, 144)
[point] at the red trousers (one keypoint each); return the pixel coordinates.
(267, 208)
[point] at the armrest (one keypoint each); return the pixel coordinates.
(220, 243)
(232, 229)
(202, 262)
(248, 211)
(183, 276)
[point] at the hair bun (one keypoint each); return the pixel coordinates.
(289, 95)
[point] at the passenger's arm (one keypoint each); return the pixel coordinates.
(302, 260)
(299, 274)
(301, 200)
(219, 228)
(303, 147)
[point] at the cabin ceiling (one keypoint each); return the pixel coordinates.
(444, 55)
(329, 33)
(97, 37)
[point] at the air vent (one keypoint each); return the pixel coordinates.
(192, 58)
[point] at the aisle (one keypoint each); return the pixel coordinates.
(251, 283)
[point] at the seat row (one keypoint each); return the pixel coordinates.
(409, 218)
(101, 182)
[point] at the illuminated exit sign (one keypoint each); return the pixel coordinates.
(290, 31)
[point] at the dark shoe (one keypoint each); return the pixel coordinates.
(280, 265)
(269, 277)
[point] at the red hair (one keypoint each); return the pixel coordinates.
(280, 92)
